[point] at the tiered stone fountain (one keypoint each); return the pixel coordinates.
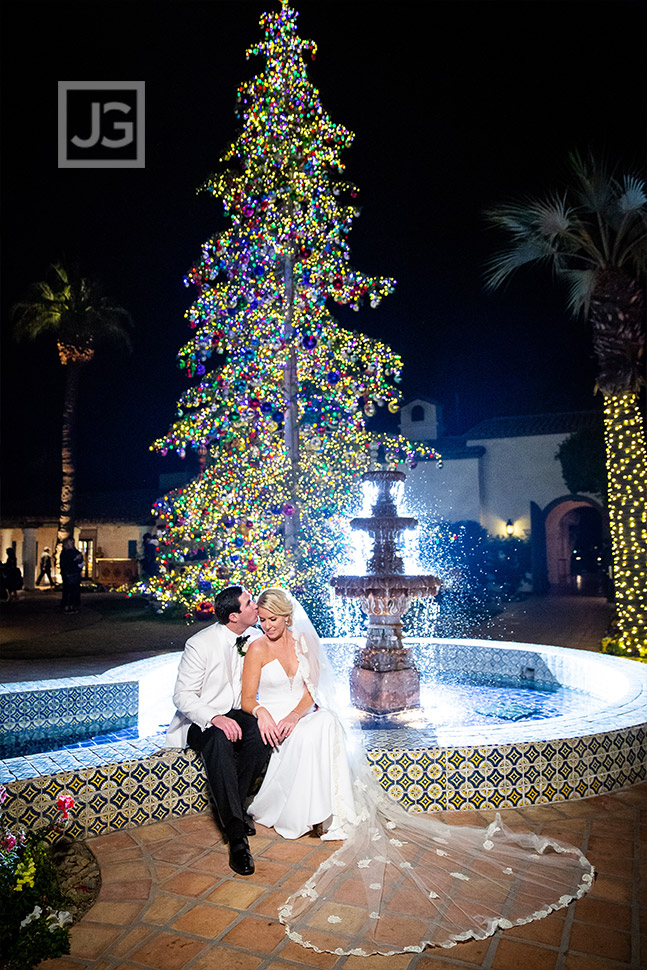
(384, 678)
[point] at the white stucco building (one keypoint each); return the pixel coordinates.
(503, 473)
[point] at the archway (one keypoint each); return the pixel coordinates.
(576, 546)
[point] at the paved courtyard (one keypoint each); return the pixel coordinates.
(169, 901)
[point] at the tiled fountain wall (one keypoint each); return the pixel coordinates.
(130, 784)
(43, 717)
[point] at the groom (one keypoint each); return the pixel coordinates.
(209, 719)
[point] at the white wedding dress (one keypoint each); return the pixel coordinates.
(307, 779)
(400, 882)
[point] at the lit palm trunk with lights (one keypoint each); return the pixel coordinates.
(594, 236)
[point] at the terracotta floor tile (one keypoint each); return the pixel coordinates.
(188, 882)
(156, 832)
(289, 851)
(548, 930)
(581, 961)
(603, 913)
(177, 852)
(511, 955)
(601, 941)
(270, 872)
(352, 918)
(237, 894)
(134, 937)
(611, 846)
(214, 862)
(111, 842)
(137, 889)
(320, 854)
(259, 935)
(124, 966)
(124, 871)
(310, 958)
(269, 904)
(120, 855)
(438, 959)
(205, 920)
(613, 888)
(395, 927)
(609, 865)
(198, 823)
(258, 844)
(621, 828)
(162, 909)
(59, 963)
(89, 940)
(168, 951)
(473, 951)
(295, 879)
(228, 959)
(399, 961)
(113, 913)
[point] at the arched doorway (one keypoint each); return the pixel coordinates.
(577, 547)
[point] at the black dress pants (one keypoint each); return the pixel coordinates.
(232, 767)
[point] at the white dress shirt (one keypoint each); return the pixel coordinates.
(209, 680)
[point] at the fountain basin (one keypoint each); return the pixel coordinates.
(123, 783)
(526, 762)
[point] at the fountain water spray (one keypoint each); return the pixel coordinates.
(384, 678)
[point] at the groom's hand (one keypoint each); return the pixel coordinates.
(230, 728)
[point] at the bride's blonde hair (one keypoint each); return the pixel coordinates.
(276, 601)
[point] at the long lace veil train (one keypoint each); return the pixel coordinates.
(400, 881)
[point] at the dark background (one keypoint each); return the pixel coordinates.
(455, 107)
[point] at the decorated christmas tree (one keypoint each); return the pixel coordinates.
(279, 423)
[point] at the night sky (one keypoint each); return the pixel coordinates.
(455, 107)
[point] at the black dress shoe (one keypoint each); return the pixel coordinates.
(250, 828)
(240, 858)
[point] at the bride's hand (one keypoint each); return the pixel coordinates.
(287, 724)
(268, 727)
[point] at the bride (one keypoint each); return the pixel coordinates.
(399, 882)
(308, 784)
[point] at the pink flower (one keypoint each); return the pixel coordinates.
(8, 842)
(3, 794)
(63, 803)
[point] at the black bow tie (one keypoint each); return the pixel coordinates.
(240, 645)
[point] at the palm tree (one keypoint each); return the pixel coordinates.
(594, 237)
(76, 313)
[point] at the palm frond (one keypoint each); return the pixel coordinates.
(503, 264)
(580, 284)
(633, 197)
(73, 308)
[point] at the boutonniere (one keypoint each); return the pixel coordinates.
(240, 645)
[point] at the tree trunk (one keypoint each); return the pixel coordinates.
(291, 428)
(624, 436)
(617, 326)
(68, 458)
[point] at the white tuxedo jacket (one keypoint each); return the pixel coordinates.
(209, 680)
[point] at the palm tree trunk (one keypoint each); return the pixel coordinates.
(68, 457)
(291, 428)
(624, 435)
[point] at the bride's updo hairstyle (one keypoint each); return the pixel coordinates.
(275, 601)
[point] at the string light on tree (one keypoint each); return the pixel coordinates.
(627, 464)
(279, 423)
